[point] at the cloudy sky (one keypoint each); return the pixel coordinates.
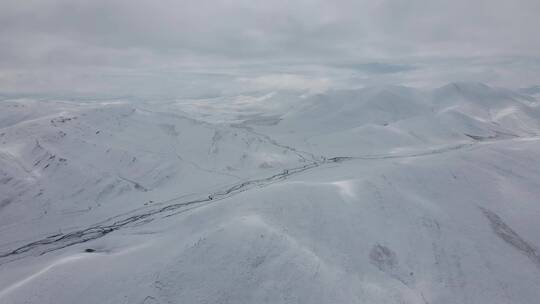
(194, 47)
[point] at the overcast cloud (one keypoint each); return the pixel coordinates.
(174, 47)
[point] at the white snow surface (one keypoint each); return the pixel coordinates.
(377, 195)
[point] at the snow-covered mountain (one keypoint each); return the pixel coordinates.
(376, 195)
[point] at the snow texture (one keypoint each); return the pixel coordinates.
(377, 195)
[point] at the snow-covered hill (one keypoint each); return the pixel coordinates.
(377, 195)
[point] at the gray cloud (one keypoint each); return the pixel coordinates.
(377, 67)
(79, 43)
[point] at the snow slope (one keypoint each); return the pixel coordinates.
(377, 195)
